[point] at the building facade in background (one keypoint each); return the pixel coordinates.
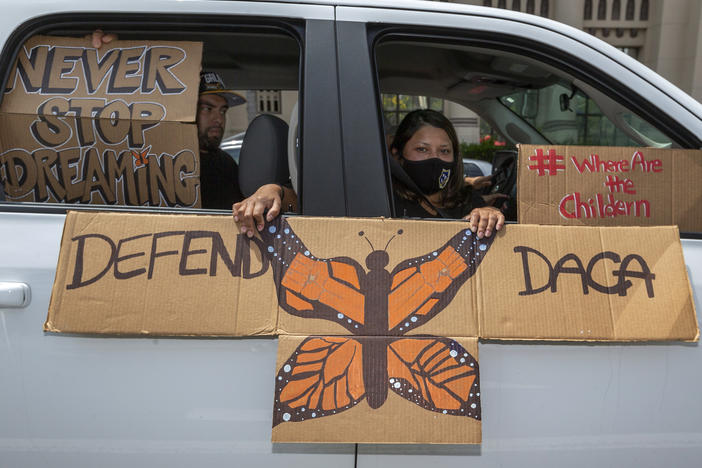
(665, 35)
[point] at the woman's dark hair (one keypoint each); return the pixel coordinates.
(455, 191)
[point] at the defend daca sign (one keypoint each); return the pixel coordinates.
(108, 126)
(378, 320)
(609, 186)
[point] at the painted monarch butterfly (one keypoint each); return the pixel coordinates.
(328, 375)
(141, 158)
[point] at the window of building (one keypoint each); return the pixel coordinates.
(602, 9)
(530, 7)
(397, 106)
(644, 10)
(616, 9)
(631, 51)
(544, 8)
(268, 101)
(630, 10)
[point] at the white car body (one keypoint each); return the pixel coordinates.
(80, 401)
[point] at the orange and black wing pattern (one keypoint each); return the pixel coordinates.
(313, 287)
(324, 376)
(423, 286)
(437, 374)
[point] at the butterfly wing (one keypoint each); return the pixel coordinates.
(437, 374)
(423, 286)
(323, 376)
(313, 287)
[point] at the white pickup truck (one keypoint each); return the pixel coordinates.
(341, 72)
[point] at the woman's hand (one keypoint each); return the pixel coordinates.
(99, 37)
(484, 220)
(495, 198)
(249, 212)
(479, 182)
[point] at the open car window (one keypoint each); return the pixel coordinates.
(260, 63)
(567, 115)
(545, 104)
(497, 99)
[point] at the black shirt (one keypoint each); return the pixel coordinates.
(219, 180)
(407, 208)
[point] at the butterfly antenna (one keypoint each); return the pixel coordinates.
(361, 233)
(399, 232)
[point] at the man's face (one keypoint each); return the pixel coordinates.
(211, 119)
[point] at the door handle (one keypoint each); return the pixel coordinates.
(14, 295)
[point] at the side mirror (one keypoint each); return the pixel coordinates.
(564, 101)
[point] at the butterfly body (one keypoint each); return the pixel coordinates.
(376, 288)
(328, 375)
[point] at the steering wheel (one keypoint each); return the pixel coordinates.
(504, 172)
(504, 181)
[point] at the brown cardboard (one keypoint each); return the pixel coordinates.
(118, 275)
(155, 80)
(655, 306)
(398, 419)
(161, 169)
(609, 186)
(341, 280)
(110, 126)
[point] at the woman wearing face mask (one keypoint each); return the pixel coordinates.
(426, 147)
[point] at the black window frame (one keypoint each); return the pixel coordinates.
(150, 22)
(505, 42)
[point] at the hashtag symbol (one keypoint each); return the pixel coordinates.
(546, 162)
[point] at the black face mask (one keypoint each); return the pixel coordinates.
(430, 175)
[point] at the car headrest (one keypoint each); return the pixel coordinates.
(264, 154)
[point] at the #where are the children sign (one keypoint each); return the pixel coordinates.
(609, 186)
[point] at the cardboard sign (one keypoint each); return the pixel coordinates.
(364, 307)
(422, 393)
(609, 186)
(108, 126)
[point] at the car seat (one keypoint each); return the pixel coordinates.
(264, 154)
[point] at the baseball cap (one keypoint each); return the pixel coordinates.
(212, 83)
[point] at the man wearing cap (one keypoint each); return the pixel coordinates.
(219, 174)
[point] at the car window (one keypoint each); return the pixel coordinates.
(545, 104)
(496, 99)
(260, 63)
(568, 116)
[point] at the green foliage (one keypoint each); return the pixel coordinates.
(484, 150)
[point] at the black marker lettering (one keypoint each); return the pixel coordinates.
(78, 281)
(154, 250)
(117, 259)
(528, 288)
